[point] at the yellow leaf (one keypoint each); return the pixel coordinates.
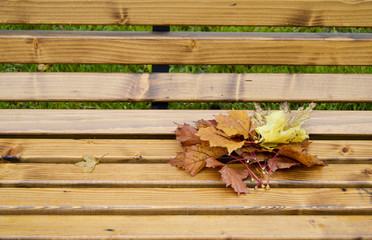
(280, 127)
(88, 164)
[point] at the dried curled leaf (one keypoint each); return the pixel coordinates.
(88, 164)
(217, 138)
(196, 156)
(234, 178)
(298, 152)
(280, 127)
(186, 134)
(213, 163)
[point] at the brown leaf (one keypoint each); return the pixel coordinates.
(196, 155)
(234, 178)
(88, 164)
(217, 138)
(186, 135)
(283, 163)
(213, 163)
(297, 152)
(178, 160)
(206, 123)
(237, 123)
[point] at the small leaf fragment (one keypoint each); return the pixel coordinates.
(282, 163)
(178, 160)
(217, 138)
(88, 164)
(206, 123)
(234, 178)
(213, 163)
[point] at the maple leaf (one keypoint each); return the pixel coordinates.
(178, 160)
(217, 138)
(186, 135)
(280, 127)
(213, 163)
(206, 123)
(196, 156)
(88, 164)
(282, 162)
(297, 152)
(234, 178)
(236, 123)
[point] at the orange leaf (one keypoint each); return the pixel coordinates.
(234, 178)
(186, 135)
(213, 163)
(206, 123)
(297, 152)
(196, 155)
(237, 123)
(217, 138)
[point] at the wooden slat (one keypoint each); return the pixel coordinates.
(185, 48)
(186, 227)
(189, 12)
(163, 175)
(117, 122)
(185, 87)
(140, 150)
(184, 201)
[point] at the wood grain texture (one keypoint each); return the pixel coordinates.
(141, 150)
(189, 12)
(148, 122)
(164, 176)
(187, 227)
(185, 87)
(146, 201)
(185, 48)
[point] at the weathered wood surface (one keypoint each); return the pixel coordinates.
(184, 87)
(162, 175)
(147, 150)
(118, 122)
(189, 12)
(188, 227)
(145, 201)
(185, 48)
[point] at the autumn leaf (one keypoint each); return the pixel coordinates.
(282, 163)
(234, 178)
(186, 135)
(217, 138)
(206, 123)
(196, 155)
(236, 123)
(213, 163)
(280, 127)
(88, 164)
(298, 152)
(178, 160)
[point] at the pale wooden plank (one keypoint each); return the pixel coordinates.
(150, 150)
(187, 227)
(185, 48)
(163, 175)
(184, 201)
(189, 12)
(185, 87)
(117, 122)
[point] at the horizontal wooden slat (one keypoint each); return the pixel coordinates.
(185, 87)
(140, 150)
(117, 122)
(185, 48)
(189, 12)
(186, 227)
(163, 175)
(183, 201)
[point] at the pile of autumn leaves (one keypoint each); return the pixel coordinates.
(262, 144)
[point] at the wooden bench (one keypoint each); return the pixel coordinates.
(134, 193)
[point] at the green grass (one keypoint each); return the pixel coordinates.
(181, 68)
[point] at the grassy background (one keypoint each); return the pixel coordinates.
(181, 68)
